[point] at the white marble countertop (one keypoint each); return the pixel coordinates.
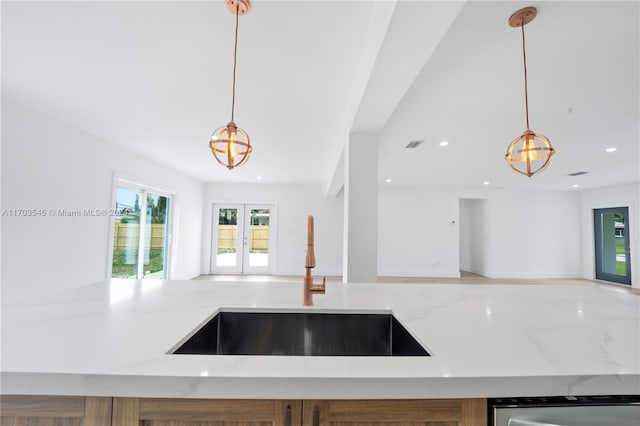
(112, 338)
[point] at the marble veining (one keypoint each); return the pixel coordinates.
(495, 340)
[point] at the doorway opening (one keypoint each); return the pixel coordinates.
(242, 240)
(613, 257)
(473, 217)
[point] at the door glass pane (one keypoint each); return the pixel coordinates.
(156, 237)
(227, 237)
(126, 234)
(259, 238)
(613, 243)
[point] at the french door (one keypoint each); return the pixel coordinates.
(140, 234)
(242, 240)
(611, 230)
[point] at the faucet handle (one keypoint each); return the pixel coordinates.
(319, 288)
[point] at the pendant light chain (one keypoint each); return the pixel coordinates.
(526, 94)
(235, 54)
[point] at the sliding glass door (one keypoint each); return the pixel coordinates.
(611, 230)
(242, 239)
(141, 234)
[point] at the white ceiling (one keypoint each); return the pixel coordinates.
(155, 77)
(582, 63)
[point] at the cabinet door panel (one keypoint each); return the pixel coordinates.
(202, 412)
(446, 412)
(196, 423)
(39, 421)
(29, 410)
(394, 424)
(207, 410)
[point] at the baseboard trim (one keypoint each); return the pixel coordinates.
(473, 270)
(316, 272)
(530, 275)
(420, 274)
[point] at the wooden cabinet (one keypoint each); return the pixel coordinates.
(423, 412)
(91, 411)
(205, 412)
(54, 411)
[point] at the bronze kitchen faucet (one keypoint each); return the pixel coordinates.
(310, 262)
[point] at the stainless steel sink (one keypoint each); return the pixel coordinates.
(301, 334)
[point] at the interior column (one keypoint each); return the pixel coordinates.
(360, 248)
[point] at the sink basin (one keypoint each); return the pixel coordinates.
(301, 334)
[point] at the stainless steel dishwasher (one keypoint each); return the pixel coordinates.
(565, 411)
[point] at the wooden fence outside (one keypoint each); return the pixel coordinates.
(228, 234)
(127, 235)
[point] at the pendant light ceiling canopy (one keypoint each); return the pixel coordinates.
(529, 153)
(230, 144)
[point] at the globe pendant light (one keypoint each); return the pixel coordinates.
(529, 153)
(230, 144)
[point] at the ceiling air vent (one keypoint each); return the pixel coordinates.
(577, 173)
(414, 144)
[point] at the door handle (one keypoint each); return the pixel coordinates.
(316, 416)
(287, 416)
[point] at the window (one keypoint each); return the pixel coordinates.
(140, 233)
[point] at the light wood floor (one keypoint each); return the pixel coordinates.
(465, 278)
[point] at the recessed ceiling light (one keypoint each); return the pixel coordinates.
(387, 180)
(444, 143)
(486, 182)
(612, 149)
(575, 185)
(258, 177)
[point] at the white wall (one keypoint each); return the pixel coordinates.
(416, 236)
(360, 237)
(615, 196)
(294, 203)
(48, 164)
(533, 234)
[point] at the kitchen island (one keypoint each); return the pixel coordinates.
(112, 339)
